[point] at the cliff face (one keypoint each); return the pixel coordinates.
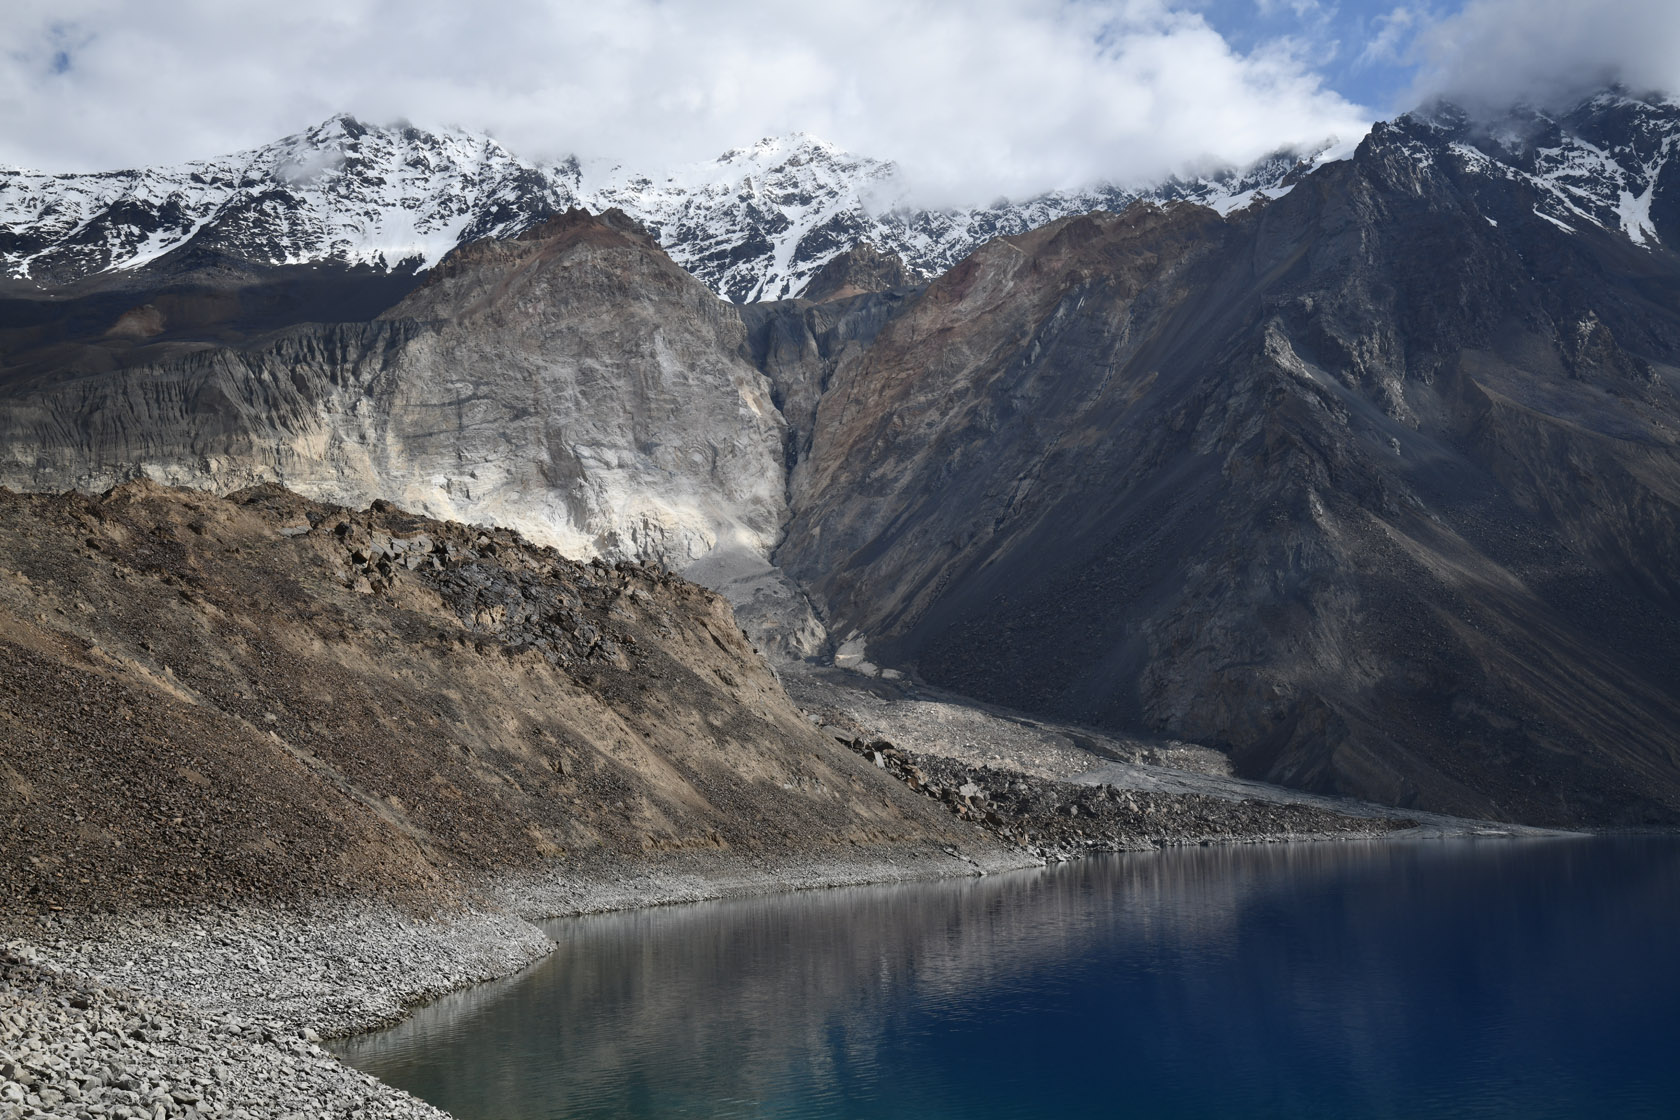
(572, 382)
(262, 696)
(1376, 487)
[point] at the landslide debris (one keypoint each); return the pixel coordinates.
(261, 697)
(1056, 820)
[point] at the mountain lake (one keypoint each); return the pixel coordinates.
(1466, 978)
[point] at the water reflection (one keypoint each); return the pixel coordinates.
(1456, 978)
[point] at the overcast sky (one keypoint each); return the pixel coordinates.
(973, 98)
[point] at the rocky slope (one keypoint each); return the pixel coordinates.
(208, 699)
(273, 770)
(1375, 487)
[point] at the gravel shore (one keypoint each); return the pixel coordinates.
(218, 1011)
(72, 1048)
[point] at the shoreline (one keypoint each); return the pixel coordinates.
(222, 1011)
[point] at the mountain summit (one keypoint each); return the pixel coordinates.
(344, 191)
(756, 223)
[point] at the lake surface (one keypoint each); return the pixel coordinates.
(1464, 978)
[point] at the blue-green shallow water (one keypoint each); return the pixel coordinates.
(1415, 979)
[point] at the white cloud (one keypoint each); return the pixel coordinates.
(1394, 34)
(1496, 52)
(1300, 9)
(974, 99)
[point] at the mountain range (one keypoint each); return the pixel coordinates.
(1359, 466)
(754, 224)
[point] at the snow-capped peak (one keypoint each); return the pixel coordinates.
(1600, 163)
(754, 223)
(341, 191)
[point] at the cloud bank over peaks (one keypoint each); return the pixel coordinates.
(973, 100)
(1493, 54)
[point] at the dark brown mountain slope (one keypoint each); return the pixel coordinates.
(190, 300)
(261, 697)
(1377, 494)
(862, 268)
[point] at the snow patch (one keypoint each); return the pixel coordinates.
(1635, 214)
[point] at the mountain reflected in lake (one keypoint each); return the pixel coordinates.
(1447, 978)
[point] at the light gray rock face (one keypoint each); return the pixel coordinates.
(577, 382)
(573, 383)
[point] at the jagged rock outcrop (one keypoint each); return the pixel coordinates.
(1376, 487)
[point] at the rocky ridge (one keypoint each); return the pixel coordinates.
(1604, 162)
(757, 223)
(394, 198)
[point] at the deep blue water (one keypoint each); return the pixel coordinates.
(1485, 978)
